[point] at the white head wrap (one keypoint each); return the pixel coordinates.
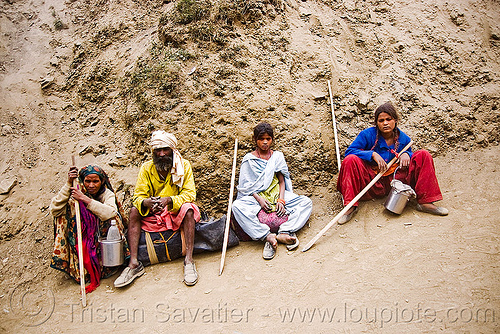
(162, 139)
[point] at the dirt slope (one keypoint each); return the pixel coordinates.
(94, 78)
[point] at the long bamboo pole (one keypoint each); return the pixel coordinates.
(80, 245)
(229, 206)
(351, 203)
(334, 127)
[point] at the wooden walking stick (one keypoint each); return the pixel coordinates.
(80, 246)
(334, 127)
(229, 205)
(351, 203)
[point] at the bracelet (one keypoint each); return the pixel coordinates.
(282, 201)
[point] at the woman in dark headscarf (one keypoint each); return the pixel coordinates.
(98, 206)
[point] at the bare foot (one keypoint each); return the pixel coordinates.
(271, 238)
(286, 238)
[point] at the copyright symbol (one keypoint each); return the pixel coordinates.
(33, 307)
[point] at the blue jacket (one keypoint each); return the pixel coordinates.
(362, 145)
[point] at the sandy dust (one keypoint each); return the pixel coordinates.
(65, 89)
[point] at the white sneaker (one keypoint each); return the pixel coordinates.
(190, 274)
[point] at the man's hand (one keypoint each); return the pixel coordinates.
(157, 204)
(151, 204)
(382, 165)
(163, 202)
(148, 202)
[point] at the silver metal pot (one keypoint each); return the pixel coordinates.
(112, 252)
(398, 197)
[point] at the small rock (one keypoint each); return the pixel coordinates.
(6, 185)
(457, 17)
(6, 130)
(432, 148)
(364, 99)
(46, 82)
(85, 150)
(318, 97)
(304, 12)
(54, 61)
(480, 139)
(360, 125)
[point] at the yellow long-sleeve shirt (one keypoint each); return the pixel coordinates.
(149, 184)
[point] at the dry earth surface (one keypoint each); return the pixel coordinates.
(94, 78)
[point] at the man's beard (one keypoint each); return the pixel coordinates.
(163, 164)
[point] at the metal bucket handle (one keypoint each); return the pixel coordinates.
(394, 175)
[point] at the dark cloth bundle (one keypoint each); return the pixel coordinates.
(209, 236)
(155, 247)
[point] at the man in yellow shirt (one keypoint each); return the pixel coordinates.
(163, 200)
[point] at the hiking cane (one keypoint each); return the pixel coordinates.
(351, 203)
(228, 215)
(334, 127)
(80, 246)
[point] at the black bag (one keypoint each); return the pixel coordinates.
(209, 236)
(157, 247)
(168, 245)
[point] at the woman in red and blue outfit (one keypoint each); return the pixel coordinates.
(369, 154)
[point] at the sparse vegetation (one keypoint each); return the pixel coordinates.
(188, 11)
(204, 21)
(156, 75)
(105, 36)
(96, 84)
(152, 88)
(58, 25)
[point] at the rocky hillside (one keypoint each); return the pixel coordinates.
(94, 78)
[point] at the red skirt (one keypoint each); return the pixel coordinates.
(356, 173)
(167, 220)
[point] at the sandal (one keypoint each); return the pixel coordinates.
(345, 218)
(438, 211)
(269, 251)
